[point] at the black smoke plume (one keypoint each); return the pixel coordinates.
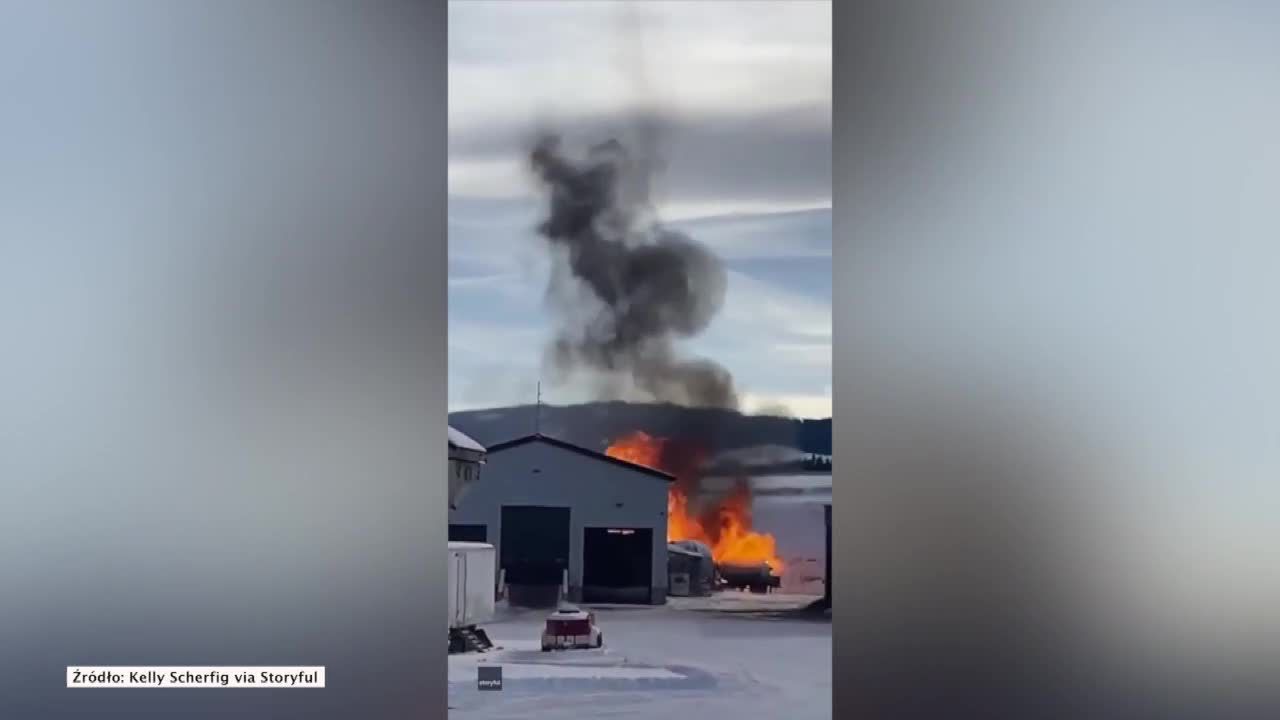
(654, 286)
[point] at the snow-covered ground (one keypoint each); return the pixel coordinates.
(656, 662)
(732, 655)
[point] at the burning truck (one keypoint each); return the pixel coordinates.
(693, 572)
(755, 578)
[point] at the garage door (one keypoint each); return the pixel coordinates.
(535, 544)
(617, 565)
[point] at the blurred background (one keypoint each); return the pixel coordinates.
(221, 285)
(1055, 357)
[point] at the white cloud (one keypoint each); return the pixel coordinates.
(744, 91)
(491, 342)
(538, 59)
(808, 354)
(784, 233)
(493, 281)
(678, 211)
(756, 307)
(499, 178)
(803, 406)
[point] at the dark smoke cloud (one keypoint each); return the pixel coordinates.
(653, 286)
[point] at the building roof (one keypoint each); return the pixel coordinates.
(537, 437)
(460, 440)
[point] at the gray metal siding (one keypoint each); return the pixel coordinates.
(599, 494)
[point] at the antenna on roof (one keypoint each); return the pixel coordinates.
(537, 412)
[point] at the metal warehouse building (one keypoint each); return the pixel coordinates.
(551, 507)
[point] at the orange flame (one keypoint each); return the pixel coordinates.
(726, 528)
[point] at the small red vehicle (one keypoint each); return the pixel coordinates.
(571, 628)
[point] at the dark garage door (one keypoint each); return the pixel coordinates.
(468, 533)
(617, 565)
(535, 544)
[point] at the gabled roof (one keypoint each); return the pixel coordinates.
(495, 449)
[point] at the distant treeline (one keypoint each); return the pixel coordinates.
(815, 463)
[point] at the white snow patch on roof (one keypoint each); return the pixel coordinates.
(459, 439)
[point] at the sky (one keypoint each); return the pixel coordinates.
(741, 93)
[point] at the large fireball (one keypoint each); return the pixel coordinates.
(725, 527)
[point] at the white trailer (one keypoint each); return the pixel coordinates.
(472, 578)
